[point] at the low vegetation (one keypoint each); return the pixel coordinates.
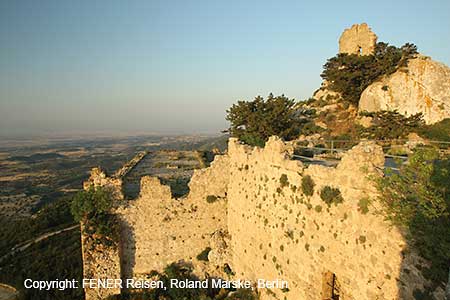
(183, 272)
(417, 199)
(284, 180)
(58, 256)
(93, 207)
(363, 205)
(331, 195)
(211, 198)
(308, 185)
(389, 125)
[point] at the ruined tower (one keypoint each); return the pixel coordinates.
(358, 39)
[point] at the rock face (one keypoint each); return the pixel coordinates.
(358, 39)
(423, 88)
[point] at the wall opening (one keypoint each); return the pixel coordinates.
(173, 168)
(330, 287)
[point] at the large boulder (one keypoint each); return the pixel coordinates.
(424, 87)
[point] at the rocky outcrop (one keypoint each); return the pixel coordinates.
(423, 88)
(358, 39)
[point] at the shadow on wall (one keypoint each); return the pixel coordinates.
(127, 250)
(412, 271)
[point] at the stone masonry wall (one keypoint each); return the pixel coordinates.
(100, 262)
(266, 228)
(277, 232)
(158, 230)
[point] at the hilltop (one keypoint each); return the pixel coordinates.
(370, 83)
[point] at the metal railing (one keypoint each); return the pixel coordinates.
(332, 148)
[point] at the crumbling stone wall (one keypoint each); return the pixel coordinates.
(278, 232)
(358, 39)
(100, 262)
(264, 227)
(158, 230)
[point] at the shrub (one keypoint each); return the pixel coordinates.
(363, 205)
(203, 256)
(284, 180)
(308, 185)
(318, 208)
(211, 198)
(417, 199)
(93, 207)
(331, 195)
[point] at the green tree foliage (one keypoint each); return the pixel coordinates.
(253, 122)
(389, 125)
(58, 256)
(50, 217)
(351, 74)
(93, 207)
(439, 131)
(417, 198)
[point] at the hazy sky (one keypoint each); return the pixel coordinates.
(176, 66)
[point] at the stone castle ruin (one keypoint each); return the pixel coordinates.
(250, 208)
(261, 214)
(422, 87)
(358, 39)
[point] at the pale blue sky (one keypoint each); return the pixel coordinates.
(176, 66)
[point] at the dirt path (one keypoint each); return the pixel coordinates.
(27, 244)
